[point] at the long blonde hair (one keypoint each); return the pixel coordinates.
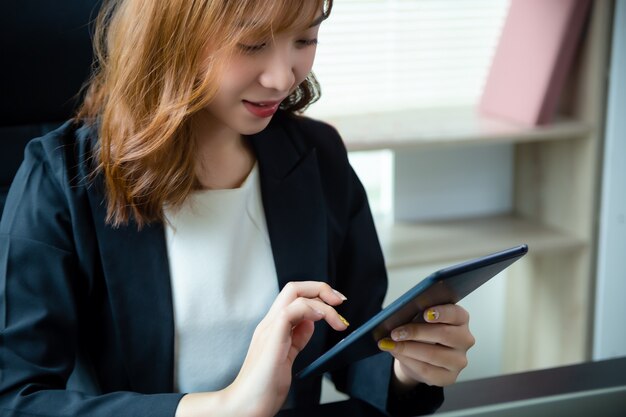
(147, 85)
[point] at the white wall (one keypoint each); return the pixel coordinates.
(453, 182)
(610, 330)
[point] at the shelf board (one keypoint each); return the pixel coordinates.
(443, 126)
(413, 244)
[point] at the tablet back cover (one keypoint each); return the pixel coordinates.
(446, 286)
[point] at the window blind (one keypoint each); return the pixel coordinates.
(383, 55)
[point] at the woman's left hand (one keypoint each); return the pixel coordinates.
(434, 352)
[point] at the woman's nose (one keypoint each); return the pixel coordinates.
(278, 73)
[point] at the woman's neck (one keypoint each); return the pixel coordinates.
(224, 157)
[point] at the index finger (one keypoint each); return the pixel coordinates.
(447, 314)
(307, 289)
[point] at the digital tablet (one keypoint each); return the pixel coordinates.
(446, 286)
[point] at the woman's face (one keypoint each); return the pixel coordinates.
(261, 74)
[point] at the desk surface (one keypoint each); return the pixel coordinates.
(582, 386)
(576, 386)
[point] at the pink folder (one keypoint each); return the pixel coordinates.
(532, 59)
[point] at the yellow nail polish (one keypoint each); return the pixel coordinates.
(432, 315)
(387, 344)
(343, 320)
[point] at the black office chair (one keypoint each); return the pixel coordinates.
(46, 54)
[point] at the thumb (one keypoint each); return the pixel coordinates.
(300, 336)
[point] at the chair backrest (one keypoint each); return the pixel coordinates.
(46, 54)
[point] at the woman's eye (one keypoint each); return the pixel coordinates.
(307, 42)
(249, 49)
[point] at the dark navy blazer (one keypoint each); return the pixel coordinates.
(86, 309)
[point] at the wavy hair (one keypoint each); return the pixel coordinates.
(147, 84)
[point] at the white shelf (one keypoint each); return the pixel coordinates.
(414, 244)
(443, 126)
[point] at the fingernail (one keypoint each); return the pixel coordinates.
(343, 320)
(386, 344)
(432, 315)
(399, 334)
(340, 295)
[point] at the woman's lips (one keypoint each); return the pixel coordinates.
(262, 108)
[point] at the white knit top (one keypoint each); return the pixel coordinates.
(223, 282)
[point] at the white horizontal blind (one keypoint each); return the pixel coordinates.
(379, 55)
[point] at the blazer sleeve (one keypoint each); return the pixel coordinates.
(361, 273)
(39, 302)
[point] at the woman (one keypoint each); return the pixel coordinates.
(168, 251)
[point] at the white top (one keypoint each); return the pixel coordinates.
(223, 282)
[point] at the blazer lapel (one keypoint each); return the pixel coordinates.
(294, 206)
(137, 275)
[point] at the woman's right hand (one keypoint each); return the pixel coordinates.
(263, 382)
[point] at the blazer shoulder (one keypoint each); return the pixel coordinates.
(310, 133)
(343, 190)
(47, 185)
(66, 152)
